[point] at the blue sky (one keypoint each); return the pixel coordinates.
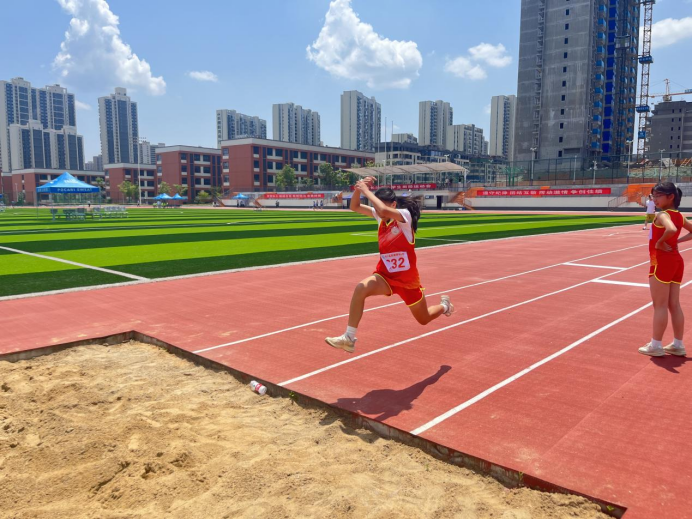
(205, 55)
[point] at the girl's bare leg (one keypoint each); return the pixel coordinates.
(371, 286)
(425, 314)
(660, 302)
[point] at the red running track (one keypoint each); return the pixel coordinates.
(591, 415)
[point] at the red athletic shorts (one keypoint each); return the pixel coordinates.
(410, 296)
(667, 268)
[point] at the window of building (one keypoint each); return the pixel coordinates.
(563, 84)
(563, 97)
(197, 169)
(256, 177)
(256, 150)
(184, 169)
(158, 169)
(226, 179)
(278, 166)
(565, 69)
(560, 153)
(196, 157)
(256, 164)
(567, 12)
(206, 169)
(565, 55)
(270, 178)
(225, 151)
(565, 41)
(560, 139)
(205, 158)
(567, 26)
(158, 157)
(184, 157)
(304, 155)
(270, 151)
(294, 155)
(560, 126)
(225, 165)
(562, 111)
(184, 180)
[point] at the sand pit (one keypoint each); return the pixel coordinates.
(132, 431)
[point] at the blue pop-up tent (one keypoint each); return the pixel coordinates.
(163, 196)
(67, 183)
(178, 197)
(240, 196)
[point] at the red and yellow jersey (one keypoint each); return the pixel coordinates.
(397, 256)
(657, 230)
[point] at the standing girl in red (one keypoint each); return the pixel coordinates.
(396, 272)
(666, 270)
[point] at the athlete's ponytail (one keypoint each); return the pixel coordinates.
(412, 204)
(669, 188)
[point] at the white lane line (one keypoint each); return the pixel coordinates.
(595, 266)
(399, 302)
(442, 329)
(489, 391)
(119, 273)
(634, 284)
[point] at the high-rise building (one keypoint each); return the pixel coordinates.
(97, 160)
(501, 140)
(234, 125)
(670, 129)
(577, 77)
(20, 103)
(148, 152)
(119, 128)
(31, 147)
(434, 119)
(360, 122)
(404, 138)
(295, 124)
(468, 139)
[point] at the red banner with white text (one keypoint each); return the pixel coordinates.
(294, 196)
(417, 186)
(572, 192)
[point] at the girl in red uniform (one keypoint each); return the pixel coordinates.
(396, 272)
(666, 270)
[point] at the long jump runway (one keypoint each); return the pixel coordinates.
(537, 372)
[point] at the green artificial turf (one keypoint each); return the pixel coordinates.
(162, 243)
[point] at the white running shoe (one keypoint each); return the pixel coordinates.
(447, 303)
(675, 351)
(649, 350)
(341, 342)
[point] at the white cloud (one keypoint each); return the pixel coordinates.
(470, 66)
(93, 53)
(463, 67)
(203, 75)
(669, 31)
(487, 109)
(82, 106)
(349, 48)
(495, 56)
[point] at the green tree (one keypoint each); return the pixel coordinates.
(308, 183)
(101, 184)
(327, 175)
(203, 197)
(180, 189)
(165, 187)
(349, 178)
(286, 178)
(128, 189)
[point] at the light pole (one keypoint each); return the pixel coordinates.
(139, 140)
(531, 173)
(661, 155)
(574, 167)
(594, 172)
(629, 147)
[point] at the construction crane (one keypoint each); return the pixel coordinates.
(667, 94)
(645, 59)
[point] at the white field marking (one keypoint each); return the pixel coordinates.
(595, 266)
(634, 284)
(319, 260)
(442, 329)
(489, 391)
(395, 303)
(119, 273)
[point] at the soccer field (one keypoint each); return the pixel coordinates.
(152, 244)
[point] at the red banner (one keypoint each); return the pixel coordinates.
(294, 196)
(572, 192)
(420, 186)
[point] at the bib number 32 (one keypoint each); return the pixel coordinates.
(396, 262)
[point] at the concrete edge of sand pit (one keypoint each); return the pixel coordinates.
(509, 477)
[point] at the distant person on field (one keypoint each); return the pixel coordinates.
(276, 204)
(321, 204)
(649, 211)
(396, 272)
(666, 270)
